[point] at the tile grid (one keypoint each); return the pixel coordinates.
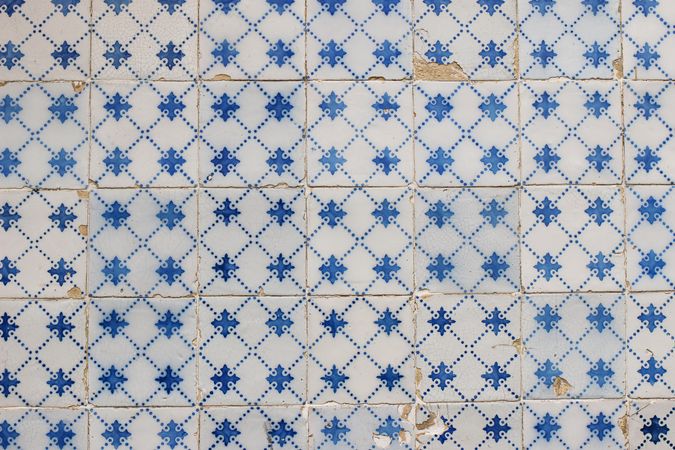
(199, 189)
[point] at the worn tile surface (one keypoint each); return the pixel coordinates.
(337, 224)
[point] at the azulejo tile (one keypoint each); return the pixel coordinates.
(44, 344)
(651, 354)
(359, 39)
(467, 348)
(574, 424)
(648, 39)
(573, 346)
(359, 133)
(363, 427)
(254, 428)
(467, 240)
(43, 237)
(470, 426)
(144, 134)
(569, 38)
(252, 350)
(360, 350)
(259, 39)
(63, 429)
(44, 40)
(650, 224)
(479, 36)
(572, 239)
(252, 133)
(651, 424)
(143, 242)
(144, 39)
(649, 132)
(44, 130)
(466, 134)
(157, 428)
(141, 352)
(571, 132)
(252, 241)
(360, 241)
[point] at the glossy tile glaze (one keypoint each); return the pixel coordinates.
(337, 224)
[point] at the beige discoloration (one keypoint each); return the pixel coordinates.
(617, 64)
(623, 426)
(404, 412)
(516, 56)
(84, 230)
(75, 292)
(222, 77)
(78, 86)
(381, 440)
(561, 386)
(518, 345)
(84, 195)
(425, 70)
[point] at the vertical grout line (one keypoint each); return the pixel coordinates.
(198, 192)
(89, 85)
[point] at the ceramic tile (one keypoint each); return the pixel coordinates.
(648, 39)
(574, 346)
(252, 351)
(360, 350)
(572, 239)
(144, 134)
(152, 39)
(466, 348)
(651, 424)
(44, 40)
(649, 227)
(574, 38)
(141, 352)
(466, 134)
(571, 132)
(467, 240)
(157, 428)
(23, 429)
(359, 241)
(44, 129)
(252, 133)
(478, 37)
(44, 348)
(143, 242)
(256, 39)
(357, 39)
(359, 134)
(43, 237)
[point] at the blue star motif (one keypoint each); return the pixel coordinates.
(335, 431)
(598, 158)
(600, 372)
(118, 5)
(116, 434)
(492, 53)
(280, 53)
(7, 434)
(390, 428)
(439, 107)
(647, 159)
(280, 267)
(62, 162)
(9, 108)
(447, 434)
(171, 106)
(280, 212)
(601, 318)
(332, 270)
(225, 107)
(114, 324)
(654, 431)
(646, 6)
(438, 6)
(494, 159)
(116, 55)
(116, 214)
(598, 211)
(332, 53)
(112, 379)
(652, 371)
(332, 214)
(279, 107)
(596, 105)
(386, 5)
(172, 434)
(647, 56)
(225, 431)
(546, 211)
(10, 55)
(60, 434)
(596, 55)
(386, 53)
(7, 382)
(64, 55)
(496, 321)
(493, 107)
(8, 326)
(495, 376)
(171, 5)
(652, 264)
(9, 7)
(171, 161)
(8, 216)
(647, 106)
(548, 318)
(60, 382)
(225, 323)
(115, 271)
(331, 160)
(386, 268)
(438, 53)
(440, 160)
(332, 106)
(439, 214)
(440, 267)
(170, 55)
(547, 427)
(279, 162)
(170, 271)
(600, 265)
(279, 379)
(441, 321)
(543, 55)
(169, 381)
(386, 161)
(545, 105)
(280, 5)
(62, 271)
(8, 271)
(386, 106)
(225, 53)
(279, 323)
(224, 161)
(226, 5)
(226, 212)
(385, 213)
(334, 323)
(117, 161)
(63, 108)
(118, 106)
(547, 373)
(62, 217)
(652, 318)
(543, 6)
(332, 6)
(387, 321)
(442, 376)
(495, 266)
(334, 378)
(170, 215)
(601, 426)
(281, 432)
(494, 213)
(595, 5)
(225, 379)
(225, 268)
(496, 428)
(491, 6)
(168, 325)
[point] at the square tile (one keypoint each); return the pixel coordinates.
(571, 132)
(252, 350)
(157, 428)
(467, 240)
(651, 345)
(141, 352)
(651, 424)
(359, 39)
(574, 346)
(359, 134)
(648, 39)
(255, 428)
(360, 241)
(144, 134)
(138, 40)
(23, 429)
(143, 242)
(44, 40)
(466, 134)
(649, 122)
(45, 135)
(650, 226)
(365, 428)
(252, 241)
(572, 239)
(252, 134)
(477, 37)
(470, 426)
(43, 240)
(467, 348)
(569, 38)
(256, 39)
(44, 353)
(575, 424)
(361, 350)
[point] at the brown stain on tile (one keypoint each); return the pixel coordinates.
(518, 345)
(78, 86)
(623, 426)
(561, 386)
(222, 77)
(617, 64)
(84, 195)
(74, 292)
(426, 70)
(84, 230)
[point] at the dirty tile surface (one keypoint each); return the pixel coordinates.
(337, 224)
